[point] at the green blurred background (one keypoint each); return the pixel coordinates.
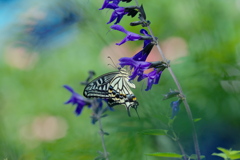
(45, 45)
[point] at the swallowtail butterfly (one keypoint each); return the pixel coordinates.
(115, 87)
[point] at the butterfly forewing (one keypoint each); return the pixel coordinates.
(99, 87)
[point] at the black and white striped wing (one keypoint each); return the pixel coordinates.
(99, 87)
(113, 86)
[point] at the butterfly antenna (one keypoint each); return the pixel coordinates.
(111, 65)
(115, 66)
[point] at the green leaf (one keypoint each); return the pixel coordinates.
(235, 156)
(223, 150)
(154, 132)
(165, 154)
(194, 156)
(232, 154)
(224, 156)
(197, 119)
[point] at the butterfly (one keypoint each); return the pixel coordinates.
(115, 88)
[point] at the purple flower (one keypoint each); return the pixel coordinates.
(77, 99)
(147, 41)
(147, 47)
(140, 56)
(130, 35)
(118, 14)
(107, 2)
(175, 107)
(139, 66)
(153, 78)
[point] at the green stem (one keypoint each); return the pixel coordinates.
(176, 139)
(194, 133)
(195, 140)
(102, 138)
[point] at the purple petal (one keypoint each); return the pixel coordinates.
(116, 1)
(123, 41)
(119, 28)
(69, 88)
(146, 42)
(139, 66)
(78, 109)
(117, 13)
(140, 56)
(113, 17)
(106, 3)
(157, 78)
(133, 36)
(120, 10)
(112, 6)
(131, 62)
(130, 35)
(76, 99)
(153, 78)
(141, 77)
(143, 31)
(149, 86)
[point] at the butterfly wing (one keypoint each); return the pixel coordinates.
(98, 88)
(115, 87)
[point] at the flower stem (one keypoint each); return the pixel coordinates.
(195, 140)
(176, 139)
(105, 154)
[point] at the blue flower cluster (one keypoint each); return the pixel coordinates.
(138, 62)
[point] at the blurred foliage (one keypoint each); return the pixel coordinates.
(209, 76)
(228, 154)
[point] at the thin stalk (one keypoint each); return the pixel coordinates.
(195, 140)
(176, 139)
(182, 150)
(194, 133)
(102, 138)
